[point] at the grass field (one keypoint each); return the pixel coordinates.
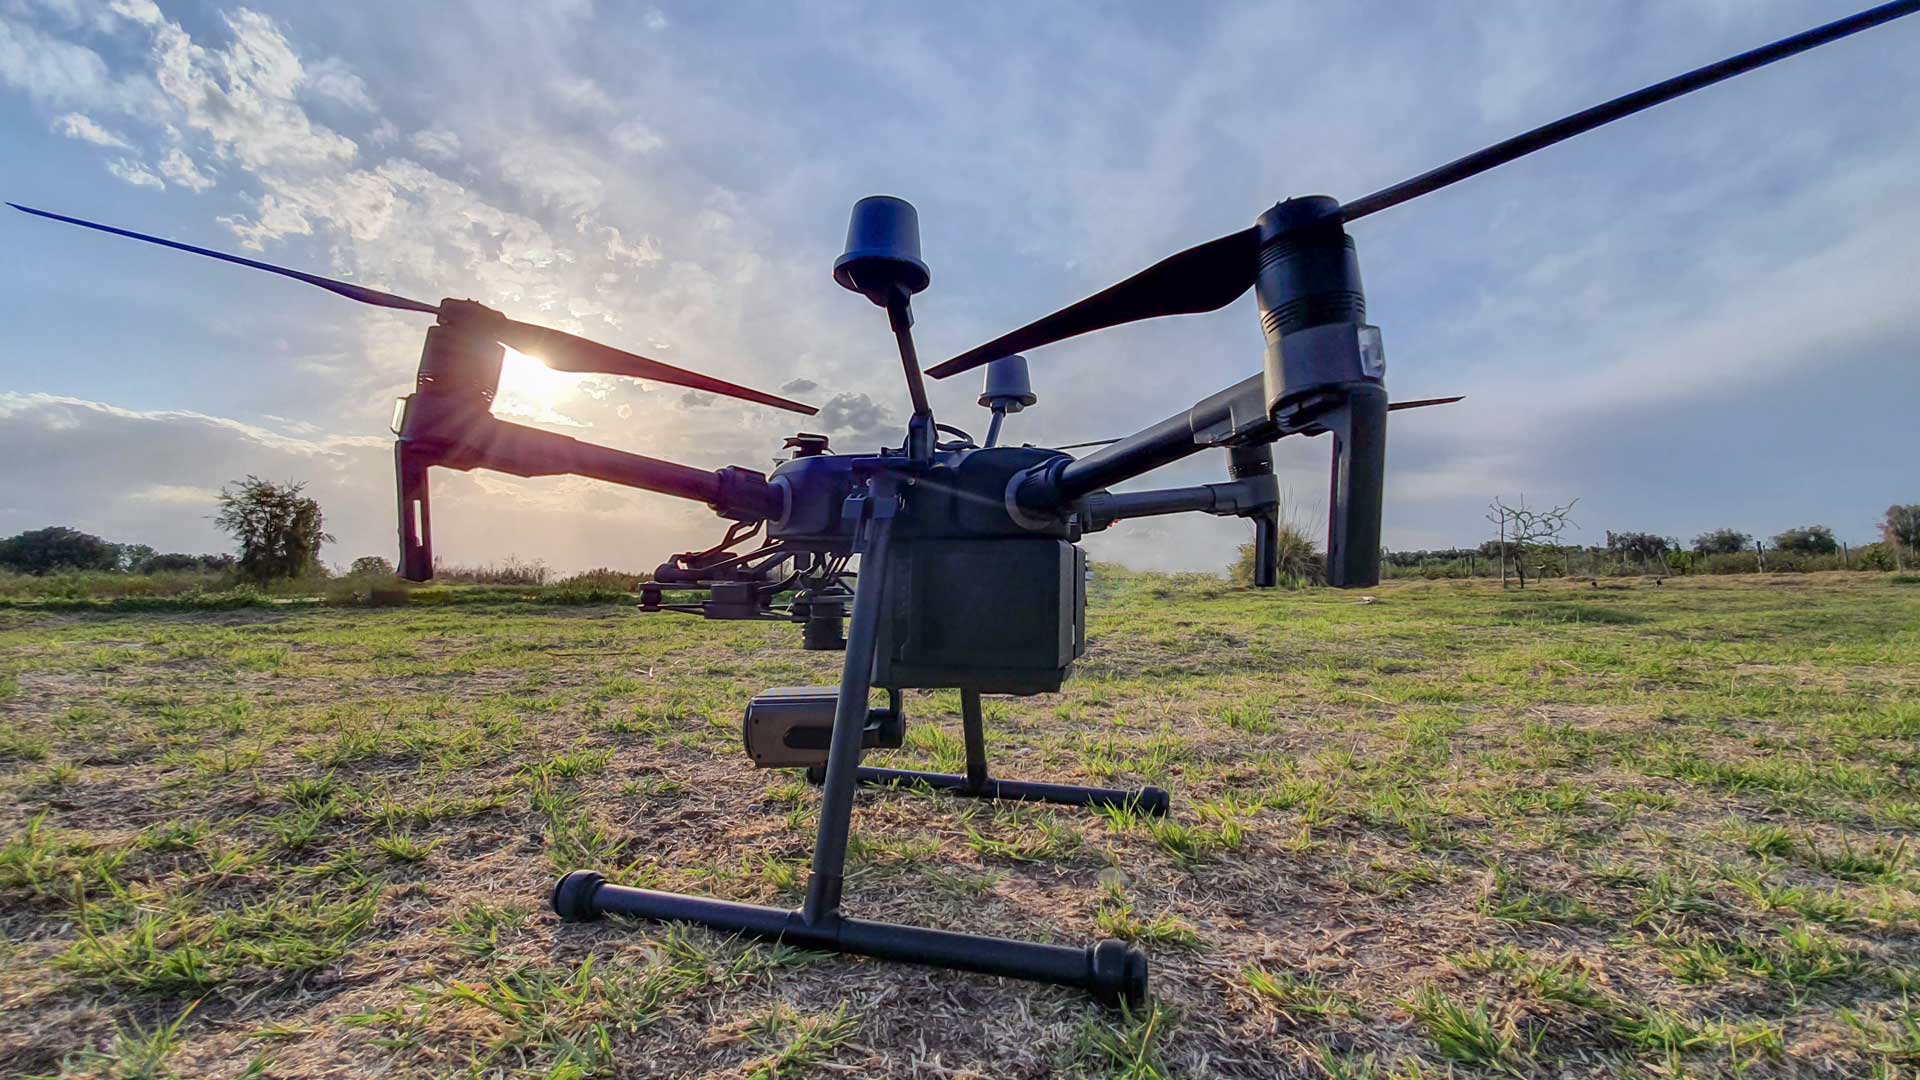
(1576, 831)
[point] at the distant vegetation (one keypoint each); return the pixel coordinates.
(279, 532)
(1802, 549)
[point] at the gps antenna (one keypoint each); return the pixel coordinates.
(882, 263)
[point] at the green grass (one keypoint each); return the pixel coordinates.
(1619, 832)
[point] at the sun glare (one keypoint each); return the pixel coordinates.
(532, 390)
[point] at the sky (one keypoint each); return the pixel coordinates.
(1700, 317)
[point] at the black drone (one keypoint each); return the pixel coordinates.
(971, 575)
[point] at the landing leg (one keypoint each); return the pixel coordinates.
(977, 783)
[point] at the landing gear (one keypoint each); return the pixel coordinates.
(1111, 970)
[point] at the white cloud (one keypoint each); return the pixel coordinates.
(64, 74)
(176, 495)
(436, 144)
(179, 168)
(655, 19)
(580, 92)
(243, 96)
(140, 11)
(332, 80)
(82, 127)
(136, 173)
(636, 138)
(560, 177)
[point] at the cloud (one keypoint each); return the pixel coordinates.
(78, 126)
(581, 92)
(244, 96)
(64, 74)
(855, 414)
(558, 177)
(176, 495)
(636, 138)
(136, 173)
(799, 386)
(436, 144)
(179, 168)
(332, 80)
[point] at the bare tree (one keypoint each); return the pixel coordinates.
(1522, 527)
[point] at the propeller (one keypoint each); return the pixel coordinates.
(1394, 407)
(1214, 274)
(556, 348)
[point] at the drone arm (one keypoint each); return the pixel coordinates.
(1247, 497)
(524, 451)
(467, 441)
(1238, 411)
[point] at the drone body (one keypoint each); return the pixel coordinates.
(971, 574)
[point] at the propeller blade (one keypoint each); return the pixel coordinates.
(342, 288)
(1216, 273)
(1424, 402)
(1203, 278)
(562, 351)
(1626, 105)
(1395, 407)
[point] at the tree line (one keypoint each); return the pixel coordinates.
(277, 531)
(1530, 546)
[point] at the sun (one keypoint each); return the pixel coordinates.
(531, 390)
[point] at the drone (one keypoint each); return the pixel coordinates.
(971, 575)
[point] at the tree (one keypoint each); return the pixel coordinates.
(1522, 528)
(370, 566)
(1902, 525)
(42, 551)
(1808, 540)
(1722, 542)
(1639, 547)
(132, 558)
(278, 529)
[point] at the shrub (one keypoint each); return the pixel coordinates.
(178, 562)
(509, 571)
(604, 579)
(1300, 561)
(101, 585)
(370, 566)
(1879, 556)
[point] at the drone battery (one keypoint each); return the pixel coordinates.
(792, 726)
(994, 614)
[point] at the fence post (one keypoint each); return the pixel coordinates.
(1846, 558)
(1760, 551)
